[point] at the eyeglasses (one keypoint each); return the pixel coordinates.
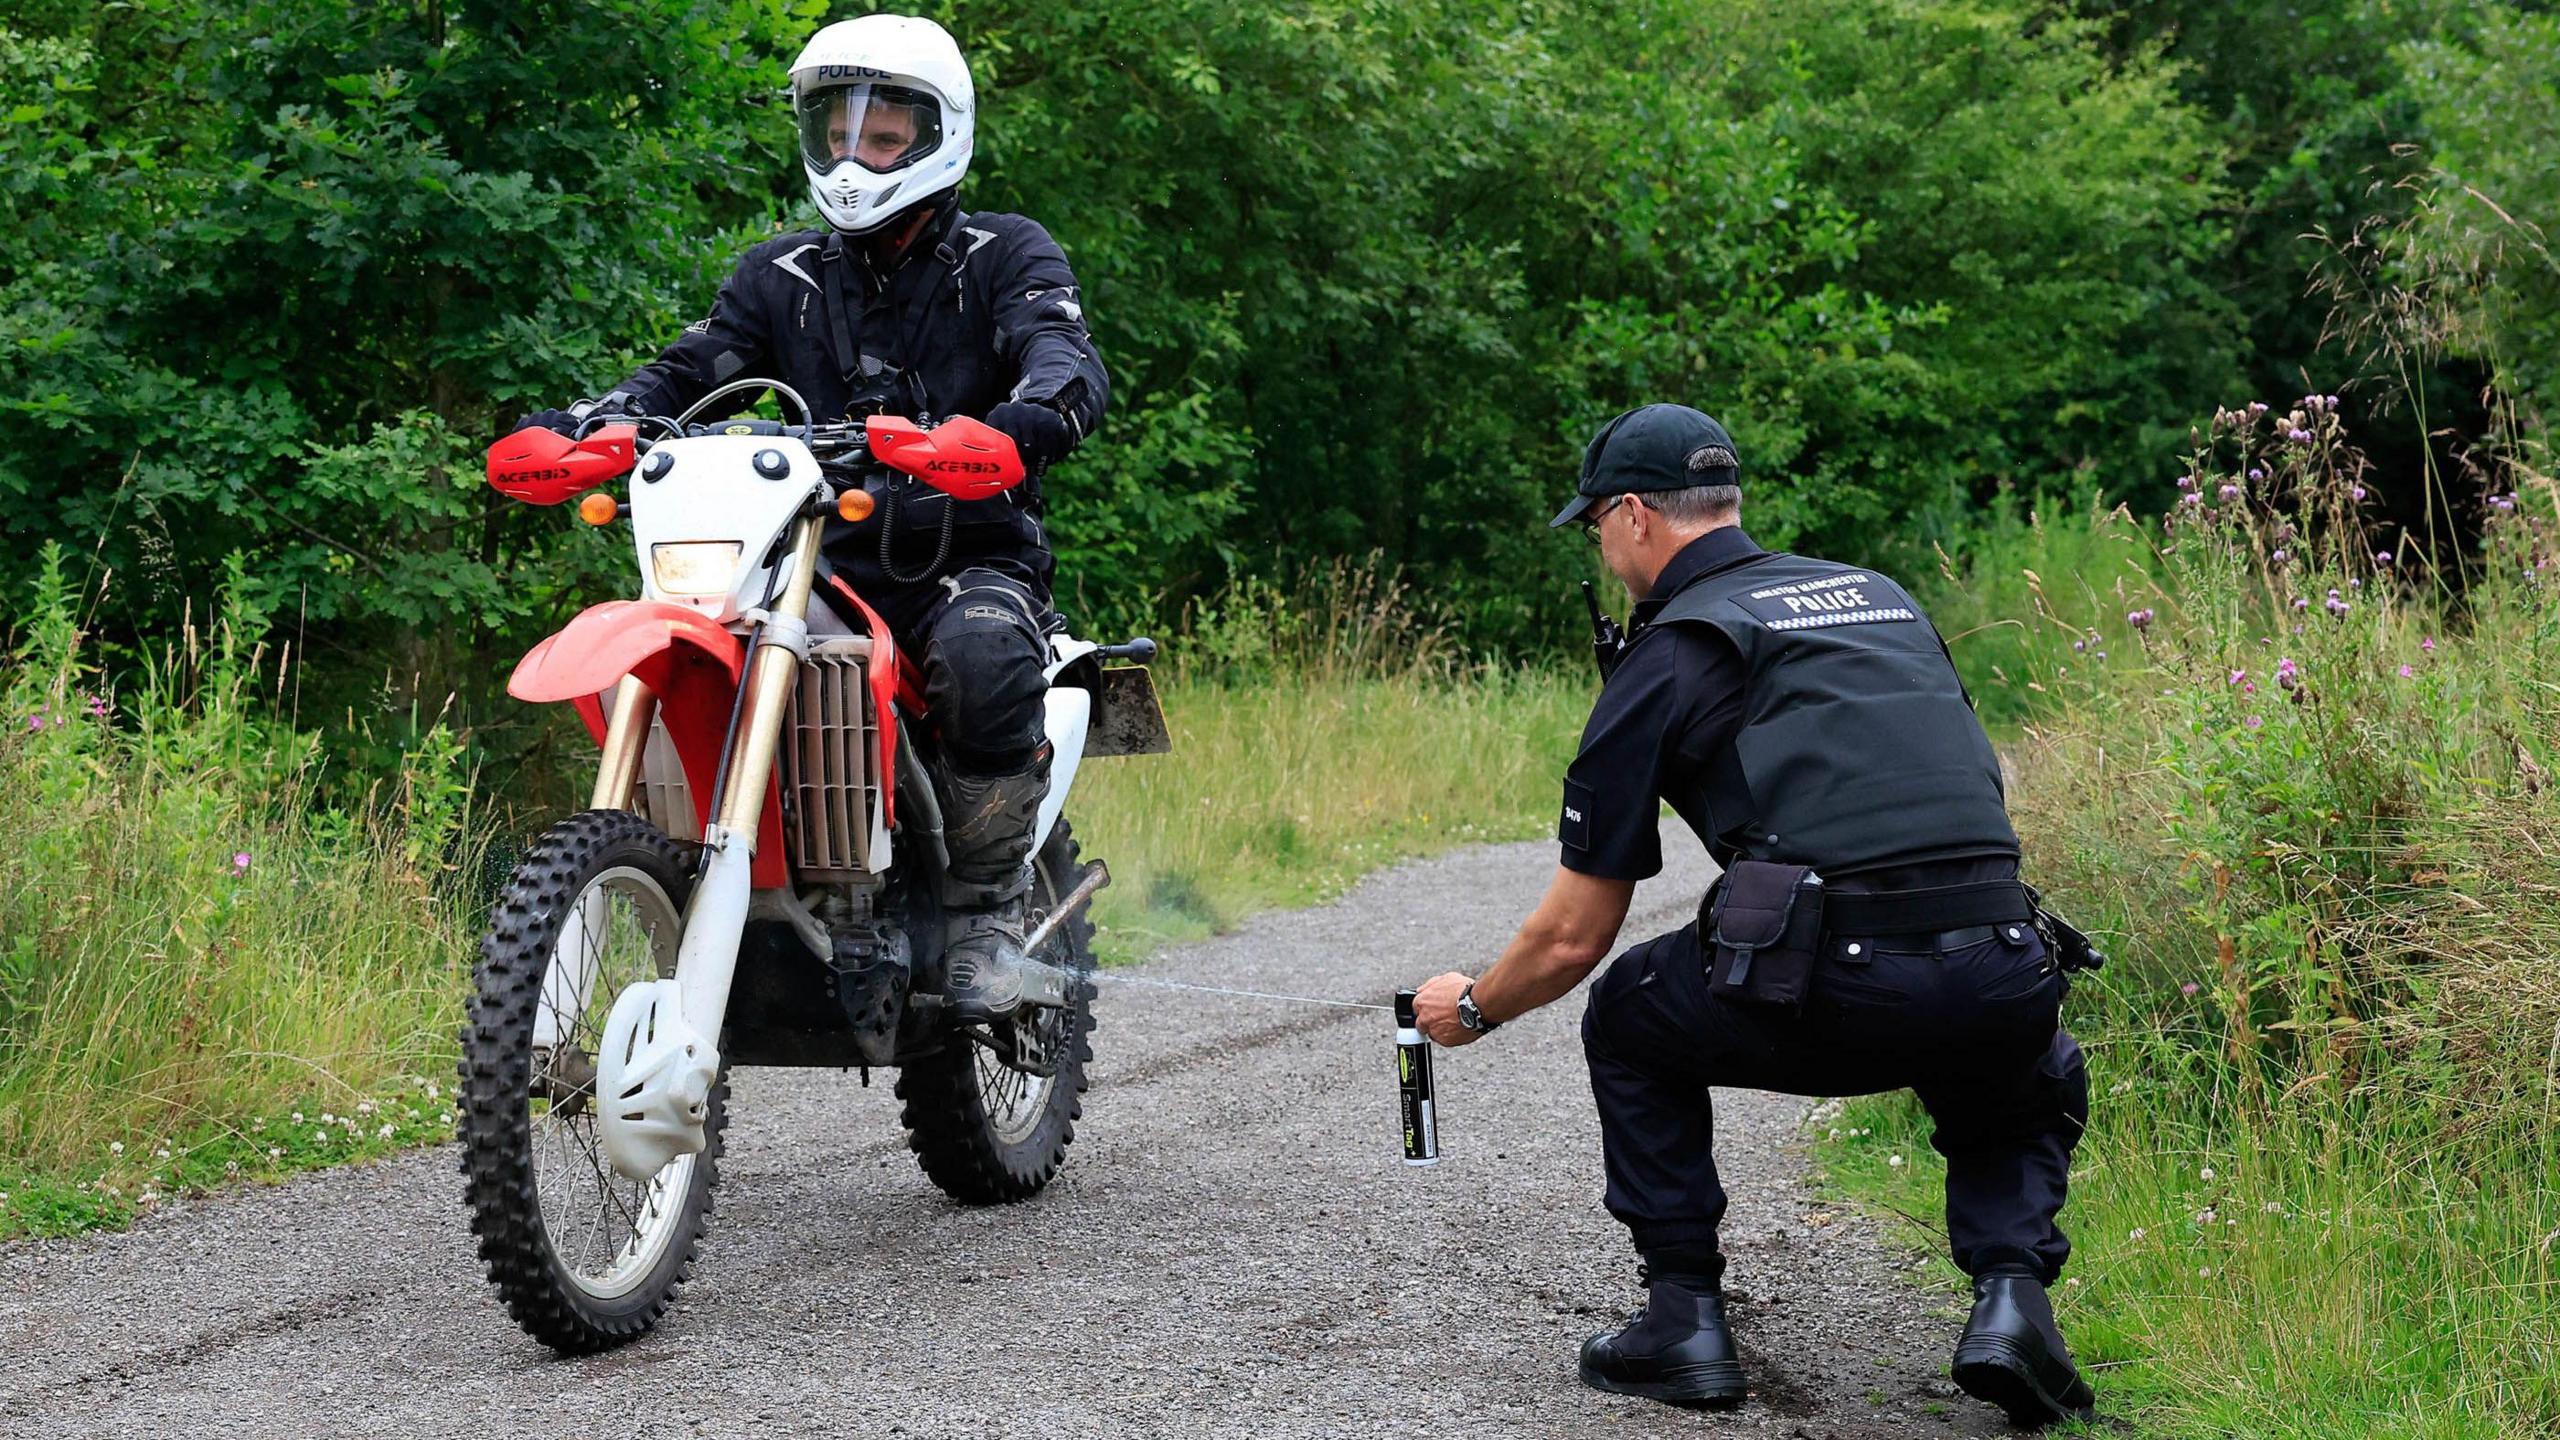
(1591, 522)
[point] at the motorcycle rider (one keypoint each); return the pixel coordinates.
(905, 304)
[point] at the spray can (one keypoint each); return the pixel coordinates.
(1413, 1082)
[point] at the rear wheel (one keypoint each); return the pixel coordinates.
(988, 1132)
(584, 1257)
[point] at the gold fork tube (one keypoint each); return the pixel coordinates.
(626, 736)
(768, 703)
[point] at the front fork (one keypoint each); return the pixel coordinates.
(661, 1041)
(716, 917)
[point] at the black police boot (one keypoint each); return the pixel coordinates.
(2012, 1353)
(1677, 1348)
(986, 830)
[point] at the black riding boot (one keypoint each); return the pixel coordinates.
(2012, 1353)
(1677, 1348)
(986, 828)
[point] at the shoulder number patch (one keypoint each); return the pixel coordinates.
(1852, 597)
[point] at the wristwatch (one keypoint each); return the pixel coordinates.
(1470, 1016)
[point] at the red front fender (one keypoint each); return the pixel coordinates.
(618, 638)
(689, 663)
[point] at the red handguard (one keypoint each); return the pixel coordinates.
(545, 467)
(963, 458)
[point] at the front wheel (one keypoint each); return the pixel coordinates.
(584, 1257)
(989, 1133)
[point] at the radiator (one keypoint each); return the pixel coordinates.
(834, 824)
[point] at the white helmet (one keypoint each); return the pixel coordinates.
(887, 117)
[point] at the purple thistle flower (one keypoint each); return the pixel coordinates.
(2278, 557)
(2189, 988)
(2357, 493)
(240, 862)
(2078, 646)
(2428, 644)
(2381, 557)
(2299, 603)
(2288, 674)
(2186, 482)
(2406, 672)
(2253, 722)
(2257, 474)
(2230, 492)
(2257, 407)
(2236, 677)
(2355, 582)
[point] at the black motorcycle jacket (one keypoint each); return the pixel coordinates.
(980, 310)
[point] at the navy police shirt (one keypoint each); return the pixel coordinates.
(1673, 704)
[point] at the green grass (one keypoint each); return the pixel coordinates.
(1285, 791)
(188, 943)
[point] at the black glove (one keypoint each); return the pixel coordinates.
(1042, 435)
(558, 420)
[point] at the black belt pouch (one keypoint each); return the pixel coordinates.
(1762, 927)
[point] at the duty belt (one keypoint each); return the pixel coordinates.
(1938, 907)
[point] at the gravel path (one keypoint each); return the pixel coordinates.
(1233, 1250)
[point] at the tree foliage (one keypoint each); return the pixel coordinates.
(1367, 271)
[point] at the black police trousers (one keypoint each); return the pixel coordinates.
(1971, 1020)
(981, 636)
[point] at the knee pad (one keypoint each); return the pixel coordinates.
(983, 679)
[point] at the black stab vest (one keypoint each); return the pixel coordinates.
(1858, 746)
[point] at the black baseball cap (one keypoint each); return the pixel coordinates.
(1652, 447)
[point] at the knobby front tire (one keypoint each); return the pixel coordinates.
(583, 1258)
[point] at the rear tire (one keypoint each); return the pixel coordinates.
(584, 1259)
(990, 1135)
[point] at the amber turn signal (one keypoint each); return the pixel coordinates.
(854, 505)
(598, 509)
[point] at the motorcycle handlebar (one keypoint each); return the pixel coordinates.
(964, 458)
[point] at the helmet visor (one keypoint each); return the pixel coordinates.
(878, 127)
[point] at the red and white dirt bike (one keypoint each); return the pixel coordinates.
(756, 881)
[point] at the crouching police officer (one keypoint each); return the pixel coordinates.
(1869, 930)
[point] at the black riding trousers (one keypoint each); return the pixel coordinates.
(980, 635)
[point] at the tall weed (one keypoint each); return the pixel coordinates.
(189, 939)
(2302, 780)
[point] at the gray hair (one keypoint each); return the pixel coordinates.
(1697, 505)
(1716, 499)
